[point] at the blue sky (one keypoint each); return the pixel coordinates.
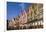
(14, 8)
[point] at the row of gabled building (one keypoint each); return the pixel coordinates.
(31, 17)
